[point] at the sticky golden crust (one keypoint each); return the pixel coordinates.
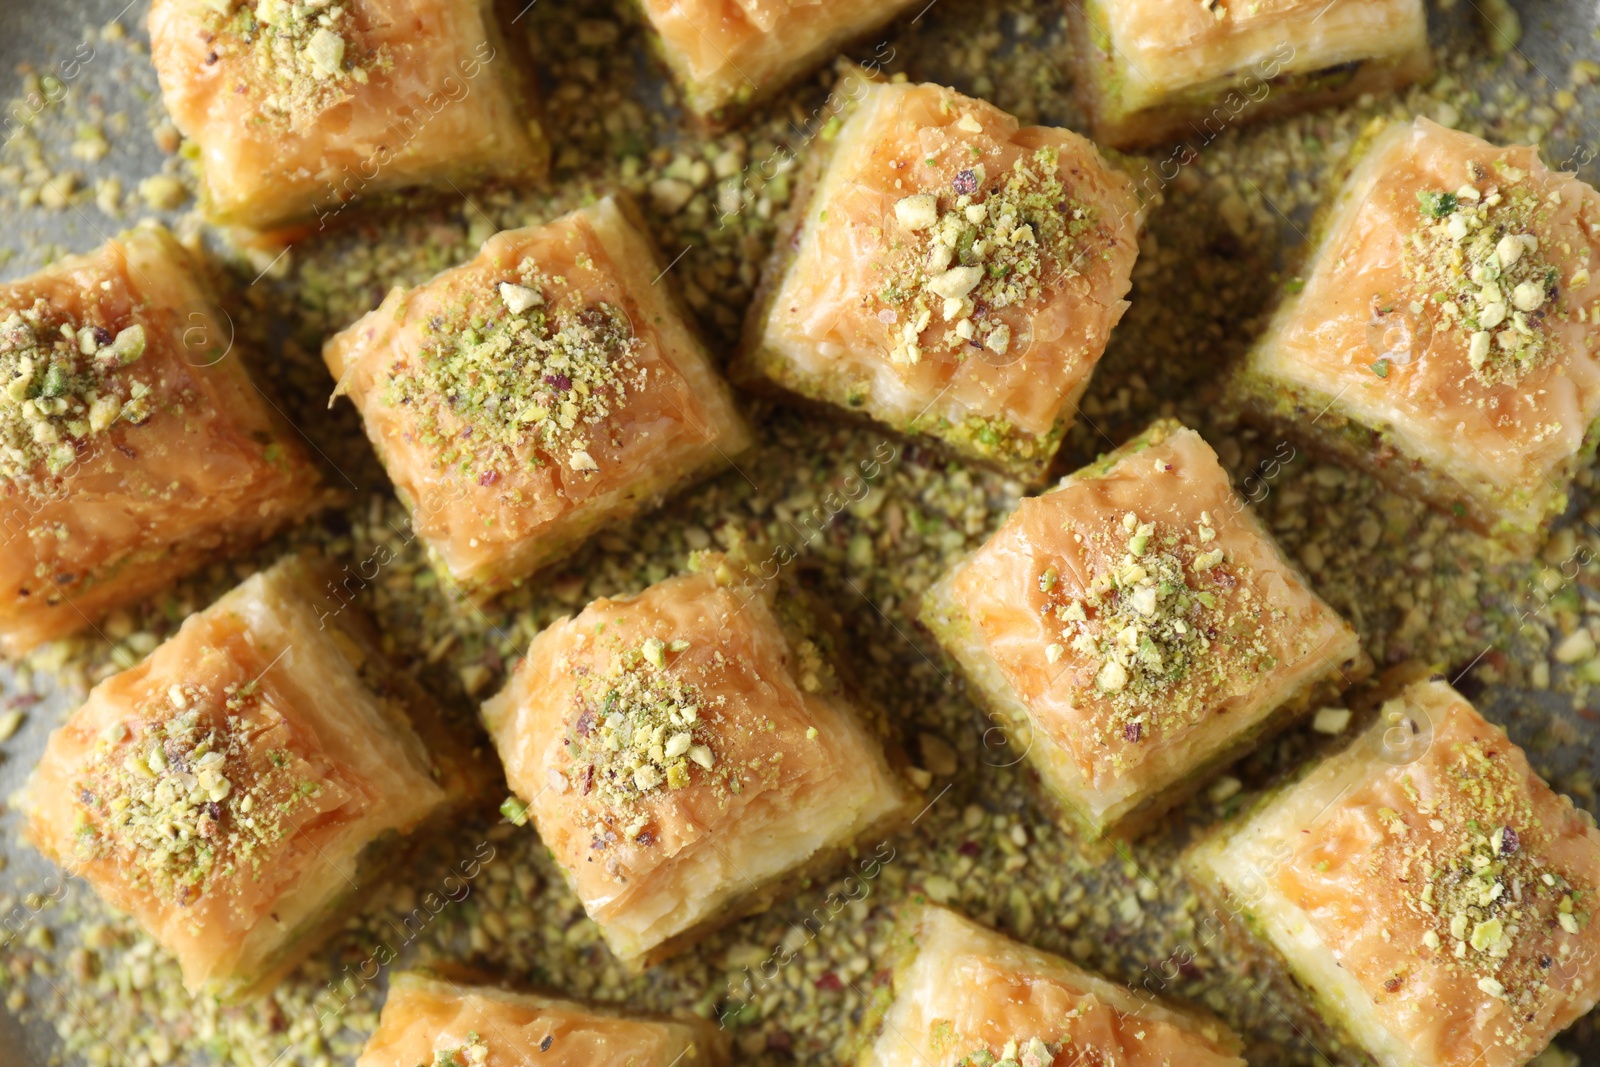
(312, 771)
(494, 518)
(430, 92)
(733, 52)
(424, 1016)
(1253, 635)
(1368, 344)
(1154, 71)
(786, 771)
(1391, 863)
(830, 333)
(966, 990)
(1172, 46)
(208, 469)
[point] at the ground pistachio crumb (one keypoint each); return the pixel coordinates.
(1474, 863)
(1150, 621)
(182, 795)
(639, 731)
(307, 52)
(474, 1052)
(515, 811)
(61, 389)
(1412, 582)
(533, 378)
(967, 249)
(1031, 1052)
(1476, 255)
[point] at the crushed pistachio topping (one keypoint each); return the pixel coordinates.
(515, 811)
(306, 51)
(61, 389)
(181, 798)
(1471, 863)
(638, 729)
(471, 1053)
(1030, 1053)
(530, 380)
(1476, 256)
(962, 252)
(816, 673)
(1151, 622)
(118, 996)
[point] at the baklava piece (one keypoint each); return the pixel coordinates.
(1138, 629)
(542, 390)
(726, 54)
(1425, 887)
(299, 108)
(948, 273)
(234, 790)
(1153, 71)
(1446, 334)
(687, 753)
(133, 446)
(964, 996)
(438, 1023)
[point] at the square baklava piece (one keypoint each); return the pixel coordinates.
(133, 445)
(947, 273)
(1446, 334)
(298, 108)
(1137, 628)
(1156, 71)
(1425, 888)
(541, 390)
(964, 996)
(234, 790)
(436, 1022)
(726, 54)
(689, 752)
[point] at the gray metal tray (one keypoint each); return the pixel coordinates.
(99, 78)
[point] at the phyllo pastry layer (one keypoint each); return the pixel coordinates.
(1138, 628)
(1151, 71)
(947, 272)
(300, 108)
(686, 752)
(133, 445)
(1446, 334)
(1425, 887)
(438, 1023)
(964, 996)
(726, 54)
(535, 393)
(233, 790)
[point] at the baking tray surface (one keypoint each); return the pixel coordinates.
(84, 152)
